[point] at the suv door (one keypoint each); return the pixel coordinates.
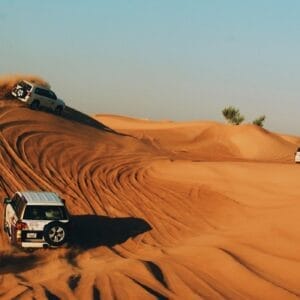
(52, 99)
(38, 95)
(42, 96)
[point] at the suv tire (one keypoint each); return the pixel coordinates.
(35, 104)
(55, 233)
(58, 110)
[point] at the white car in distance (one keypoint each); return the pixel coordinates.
(297, 156)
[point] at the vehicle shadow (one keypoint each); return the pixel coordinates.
(72, 114)
(16, 262)
(90, 231)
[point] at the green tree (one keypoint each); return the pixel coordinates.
(232, 115)
(259, 121)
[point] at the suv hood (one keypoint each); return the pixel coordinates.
(61, 101)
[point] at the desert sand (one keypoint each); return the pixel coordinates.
(161, 209)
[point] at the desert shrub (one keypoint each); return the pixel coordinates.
(232, 115)
(259, 121)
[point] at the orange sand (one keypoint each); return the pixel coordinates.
(223, 203)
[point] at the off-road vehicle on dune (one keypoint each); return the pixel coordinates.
(36, 219)
(297, 156)
(37, 96)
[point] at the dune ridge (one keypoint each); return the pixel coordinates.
(172, 211)
(198, 140)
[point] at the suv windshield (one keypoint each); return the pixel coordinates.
(38, 212)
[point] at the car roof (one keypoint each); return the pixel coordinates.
(41, 198)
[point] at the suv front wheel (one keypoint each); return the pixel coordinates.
(55, 233)
(58, 110)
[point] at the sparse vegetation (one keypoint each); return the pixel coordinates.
(259, 121)
(232, 115)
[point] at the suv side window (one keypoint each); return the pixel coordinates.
(45, 93)
(52, 95)
(42, 92)
(39, 91)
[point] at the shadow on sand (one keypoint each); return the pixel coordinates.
(89, 231)
(72, 114)
(16, 262)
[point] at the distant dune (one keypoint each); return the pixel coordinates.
(208, 140)
(161, 210)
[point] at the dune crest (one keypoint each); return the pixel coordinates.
(208, 140)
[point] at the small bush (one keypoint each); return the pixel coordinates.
(232, 115)
(259, 121)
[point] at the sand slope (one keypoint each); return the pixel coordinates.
(179, 211)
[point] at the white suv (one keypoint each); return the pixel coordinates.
(297, 156)
(36, 96)
(36, 219)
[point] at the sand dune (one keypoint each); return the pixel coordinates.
(208, 140)
(196, 210)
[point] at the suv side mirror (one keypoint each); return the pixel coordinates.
(7, 200)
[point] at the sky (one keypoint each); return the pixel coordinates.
(161, 59)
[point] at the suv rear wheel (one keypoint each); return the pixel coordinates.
(55, 233)
(35, 105)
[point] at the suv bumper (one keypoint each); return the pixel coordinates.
(34, 245)
(31, 242)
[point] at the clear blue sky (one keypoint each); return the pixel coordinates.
(161, 59)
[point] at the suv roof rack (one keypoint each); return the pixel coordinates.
(40, 198)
